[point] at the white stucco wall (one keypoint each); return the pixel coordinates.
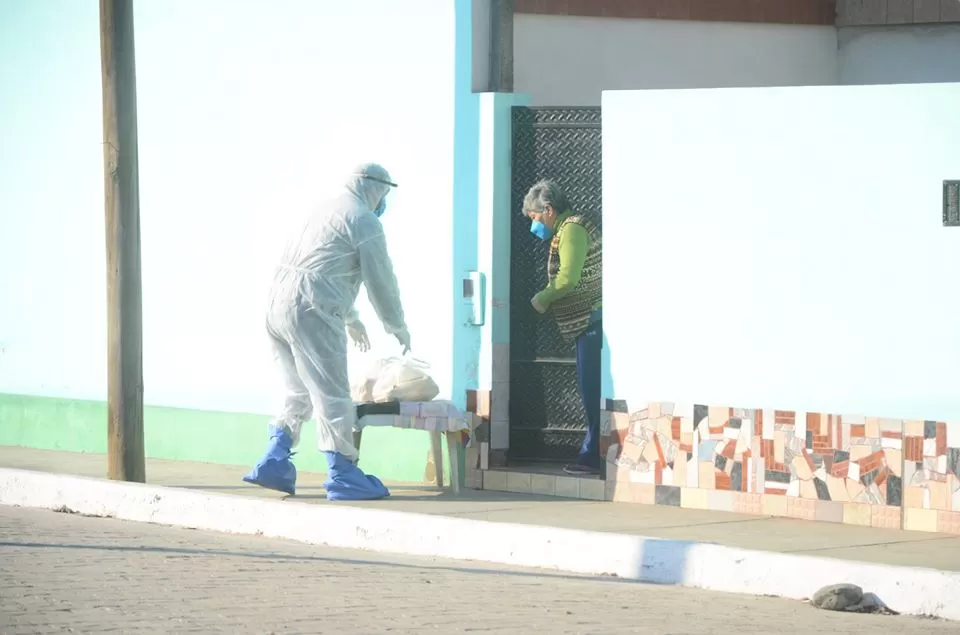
(902, 54)
(249, 114)
(779, 255)
(568, 61)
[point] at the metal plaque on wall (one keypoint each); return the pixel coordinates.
(951, 203)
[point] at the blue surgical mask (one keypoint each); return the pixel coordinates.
(381, 208)
(540, 230)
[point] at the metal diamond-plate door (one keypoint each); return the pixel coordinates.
(547, 420)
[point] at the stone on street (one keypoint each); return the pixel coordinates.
(67, 573)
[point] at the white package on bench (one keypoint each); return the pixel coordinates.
(395, 379)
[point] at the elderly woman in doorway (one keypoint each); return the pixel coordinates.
(573, 294)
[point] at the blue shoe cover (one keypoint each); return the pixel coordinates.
(275, 470)
(347, 482)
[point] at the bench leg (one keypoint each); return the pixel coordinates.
(436, 450)
(453, 457)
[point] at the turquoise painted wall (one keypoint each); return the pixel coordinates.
(494, 238)
(783, 248)
(493, 229)
(466, 337)
(250, 112)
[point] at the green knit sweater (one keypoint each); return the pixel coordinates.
(574, 274)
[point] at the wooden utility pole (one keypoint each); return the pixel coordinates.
(122, 203)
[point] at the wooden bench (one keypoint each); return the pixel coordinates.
(438, 418)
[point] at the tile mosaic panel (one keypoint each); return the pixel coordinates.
(857, 470)
(810, 456)
(866, 471)
(931, 465)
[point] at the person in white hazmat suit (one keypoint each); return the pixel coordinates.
(309, 315)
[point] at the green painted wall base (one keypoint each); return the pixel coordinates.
(195, 435)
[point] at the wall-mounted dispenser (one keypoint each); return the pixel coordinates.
(474, 296)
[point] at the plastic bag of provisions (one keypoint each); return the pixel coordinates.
(395, 379)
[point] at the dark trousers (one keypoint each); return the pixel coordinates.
(589, 344)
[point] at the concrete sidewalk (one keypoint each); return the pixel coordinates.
(704, 550)
(63, 572)
(778, 535)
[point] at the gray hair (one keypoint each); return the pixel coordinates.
(544, 193)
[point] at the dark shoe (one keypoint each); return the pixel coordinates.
(578, 469)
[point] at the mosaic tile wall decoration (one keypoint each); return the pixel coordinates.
(931, 475)
(868, 471)
(813, 466)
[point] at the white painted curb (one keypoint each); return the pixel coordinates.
(908, 590)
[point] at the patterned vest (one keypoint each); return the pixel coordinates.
(573, 311)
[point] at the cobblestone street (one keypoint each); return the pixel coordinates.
(67, 573)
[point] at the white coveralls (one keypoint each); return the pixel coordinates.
(312, 300)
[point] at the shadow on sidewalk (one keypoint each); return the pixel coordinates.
(664, 562)
(190, 552)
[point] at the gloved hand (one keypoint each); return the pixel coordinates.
(404, 338)
(358, 333)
